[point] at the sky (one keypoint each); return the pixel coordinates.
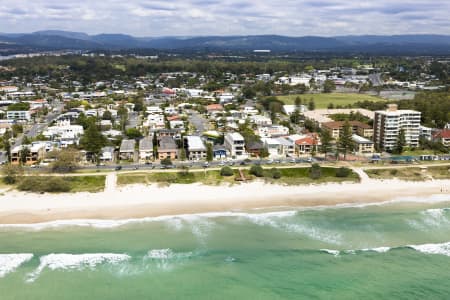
(230, 17)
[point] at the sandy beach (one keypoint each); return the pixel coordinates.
(139, 201)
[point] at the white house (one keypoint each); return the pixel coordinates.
(235, 144)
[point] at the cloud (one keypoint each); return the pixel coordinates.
(228, 17)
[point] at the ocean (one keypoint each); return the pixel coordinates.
(390, 251)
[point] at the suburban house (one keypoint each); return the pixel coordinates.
(272, 131)
(146, 149)
(363, 145)
(273, 146)
(195, 149)
(443, 136)
(34, 153)
(306, 144)
(235, 144)
(20, 115)
(287, 147)
(219, 152)
(127, 150)
(255, 148)
(214, 108)
(167, 148)
(107, 154)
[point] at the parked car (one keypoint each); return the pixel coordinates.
(118, 168)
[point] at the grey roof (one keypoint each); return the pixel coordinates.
(146, 144)
(195, 143)
(167, 143)
(127, 145)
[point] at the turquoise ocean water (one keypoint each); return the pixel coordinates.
(392, 251)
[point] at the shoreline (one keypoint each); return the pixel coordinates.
(149, 201)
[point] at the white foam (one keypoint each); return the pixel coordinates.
(10, 262)
(377, 249)
(75, 262)
(105, 224)
(443, 249)
(330, 251)
(436, 217)
(167, 254)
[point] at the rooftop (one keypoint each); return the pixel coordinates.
(146, 144)
(195, 143)
(127, 145)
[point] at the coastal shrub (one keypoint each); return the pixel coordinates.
(393, 172)
(315, 171)
(11, 173)
(166, 161)
(44, 184)
(275, 173)
(226, 171)
(343, 172)
(257, 171)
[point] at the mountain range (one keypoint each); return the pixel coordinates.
(395, 44)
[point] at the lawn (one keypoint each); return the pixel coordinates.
(62, 184)
(289, 176)
(323, 100)
(411, 173)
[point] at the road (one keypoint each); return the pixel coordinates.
(38, 128)
(199, 122)
(133, 120)
(376, 79)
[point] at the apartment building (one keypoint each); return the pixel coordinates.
(389, 123)
(359, 128)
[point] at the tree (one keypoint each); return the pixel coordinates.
(325, 138)
(133, 133)
(11, 173)
(311, 104)
(264, 152)
(209, 152)
(329, 86)
(315, 172)
(401, 142)
(166, 162)
(93, 140)
(345, 143)
(182, 154)
(66, 160)
(24, 153)
(107, 115)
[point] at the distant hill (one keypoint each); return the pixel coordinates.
(397, 44)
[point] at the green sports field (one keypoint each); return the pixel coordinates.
(323, 100)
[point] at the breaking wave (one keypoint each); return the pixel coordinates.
(10, 262)
(75, 262)
(441, 249)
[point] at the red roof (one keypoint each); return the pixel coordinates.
(214, 107)
(306, 141)
(173, 118)
(445, 134)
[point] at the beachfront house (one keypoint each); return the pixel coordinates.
(235, 144)
(107, 154)
(194, 147)
(363, 145)
(127, 150)
(146, 149)
(167, 148)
